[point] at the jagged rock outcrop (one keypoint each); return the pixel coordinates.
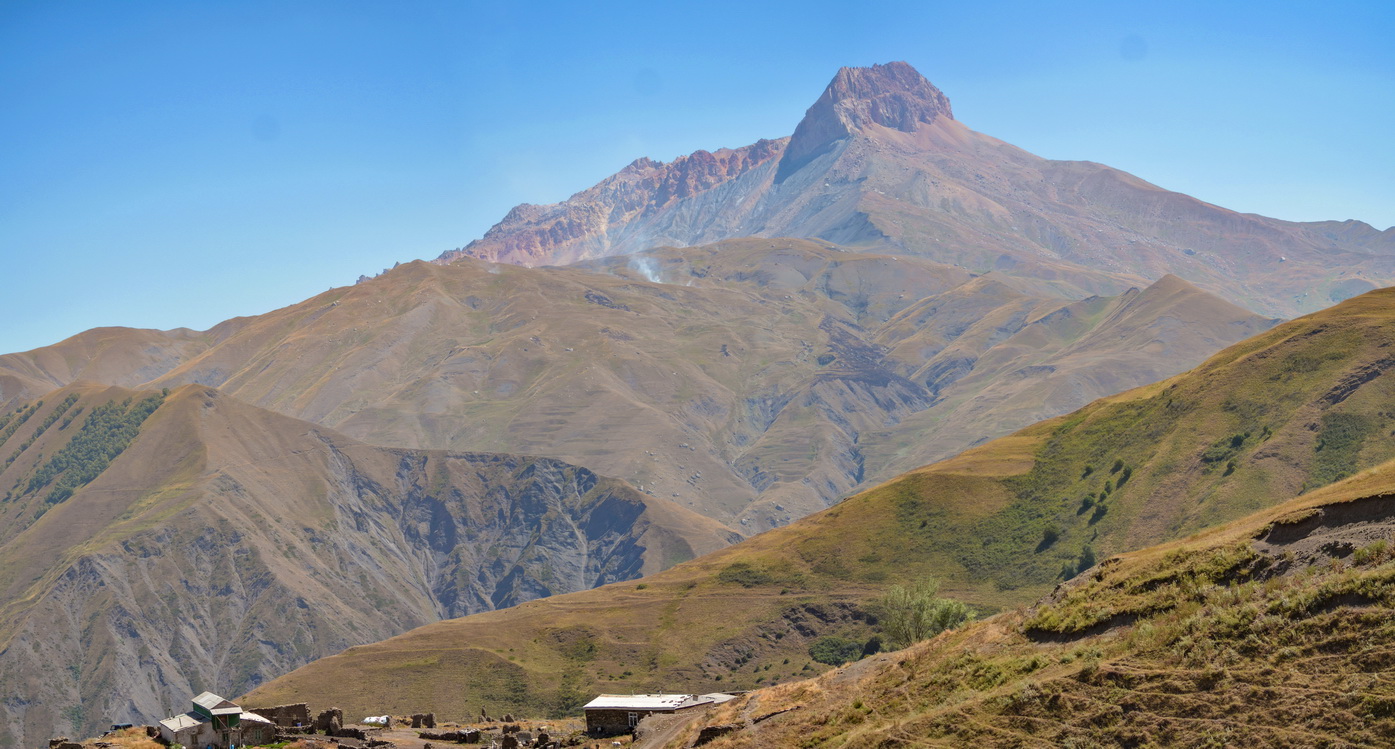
(592, 223)
(893, 95)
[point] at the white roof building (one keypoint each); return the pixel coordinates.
(610, 714)
(654, 702)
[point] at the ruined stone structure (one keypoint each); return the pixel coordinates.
(330, 721)
(285, 716)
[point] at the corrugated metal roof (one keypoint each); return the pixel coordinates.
(216, 705)
(189, 720)
(653, 701)
(181, 722)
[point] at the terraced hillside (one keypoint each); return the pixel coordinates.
(1275, 630)
(752, 381)
(156, 544)
(1283, 413)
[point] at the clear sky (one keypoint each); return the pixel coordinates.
(167, 164)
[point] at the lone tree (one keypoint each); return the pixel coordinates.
(914, 613)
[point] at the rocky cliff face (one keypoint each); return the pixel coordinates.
(226, 545)
(892, 96)
(879, 161)
(593, 223)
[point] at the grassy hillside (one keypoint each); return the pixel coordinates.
(1282, 413)
(1275, 630)
(154, 545)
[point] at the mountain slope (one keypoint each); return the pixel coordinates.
(1292, 409)
(1275, 630)
(127, 357)
(879, 161)
(753, 381)
(153, 544)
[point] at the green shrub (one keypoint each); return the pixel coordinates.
(915, 613)
(1125, 475)
(835, 651)
(745, 575)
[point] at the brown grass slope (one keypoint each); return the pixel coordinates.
(128, 357)
(1275, 630)
(1295, 408)
(227, 544)
(879, 161)
(753, 381)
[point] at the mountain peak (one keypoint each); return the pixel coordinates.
(893, 95)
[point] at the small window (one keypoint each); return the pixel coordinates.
(634, 719)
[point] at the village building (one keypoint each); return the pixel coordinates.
(611, 714)
(216, 723)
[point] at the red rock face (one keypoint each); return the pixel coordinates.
(893, 95)
(562, 232)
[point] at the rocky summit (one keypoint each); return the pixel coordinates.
(893, 96)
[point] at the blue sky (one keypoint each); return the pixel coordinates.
(171, 164)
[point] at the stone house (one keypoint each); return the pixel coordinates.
(611, 714)
(217, 724)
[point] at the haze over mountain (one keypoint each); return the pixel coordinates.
(1281, 414)
(879, 162)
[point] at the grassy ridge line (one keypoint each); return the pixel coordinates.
(998, 524)
(1224, 638)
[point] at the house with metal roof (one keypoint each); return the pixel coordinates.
(611, 714)
(216, 723)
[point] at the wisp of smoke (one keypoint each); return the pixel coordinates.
(645, 267)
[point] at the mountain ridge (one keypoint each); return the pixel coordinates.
(711, 371)
(880, 163)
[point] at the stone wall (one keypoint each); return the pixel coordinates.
(611, 722)
(285, 716)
